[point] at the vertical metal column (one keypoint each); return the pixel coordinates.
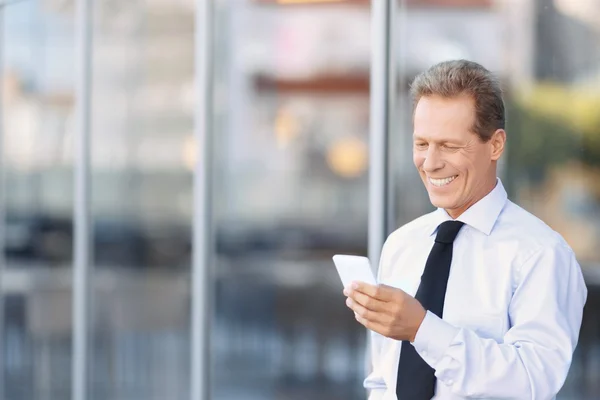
(2, 208)
(81, 214)
(202, 280)
(382, 94)
(398, 138)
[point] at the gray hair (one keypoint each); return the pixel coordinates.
(454, 78)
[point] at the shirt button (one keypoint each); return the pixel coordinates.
(424, 352)
(449, 382)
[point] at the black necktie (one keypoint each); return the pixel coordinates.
(416, 379)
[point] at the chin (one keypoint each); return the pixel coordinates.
(440, 202)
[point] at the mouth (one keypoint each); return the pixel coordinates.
(441, 182)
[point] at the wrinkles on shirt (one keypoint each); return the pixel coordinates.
(512, 311)
(464, 365)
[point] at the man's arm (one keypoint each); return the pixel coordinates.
(534, 359)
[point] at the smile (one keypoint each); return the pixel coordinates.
(442, 182)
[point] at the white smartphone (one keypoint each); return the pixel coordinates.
(354, 268)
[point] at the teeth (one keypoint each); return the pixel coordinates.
(442, 182)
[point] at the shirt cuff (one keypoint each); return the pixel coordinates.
(433, 338)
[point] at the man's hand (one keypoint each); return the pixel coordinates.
(385, 310)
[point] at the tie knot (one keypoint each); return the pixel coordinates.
(447, 231)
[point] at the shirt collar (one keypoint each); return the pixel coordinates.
(481, 215)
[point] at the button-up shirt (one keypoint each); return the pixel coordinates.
(512, 311)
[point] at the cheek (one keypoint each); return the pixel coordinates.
(477, 166)
(418, 159)
(463, 164)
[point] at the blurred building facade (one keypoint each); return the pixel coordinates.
(290, 142)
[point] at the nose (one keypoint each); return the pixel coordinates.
(433, 160)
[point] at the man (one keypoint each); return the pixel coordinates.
(478, 299)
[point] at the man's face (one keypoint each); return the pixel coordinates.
(457, 168)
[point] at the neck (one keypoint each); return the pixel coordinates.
(487, 189)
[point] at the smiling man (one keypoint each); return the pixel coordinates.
(478, 299)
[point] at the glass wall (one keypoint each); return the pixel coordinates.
(141, 184)
(291, 166)
(37, 111)
(547, 54)
(291, 101)
(290, 142)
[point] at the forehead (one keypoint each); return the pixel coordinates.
(439, 118)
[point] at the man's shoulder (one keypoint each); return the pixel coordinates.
(531, 231)
(413, 230)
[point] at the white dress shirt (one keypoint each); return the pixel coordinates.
(512, 310)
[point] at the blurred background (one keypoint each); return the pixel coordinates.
(290, 145)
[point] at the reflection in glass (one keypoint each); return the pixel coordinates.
(291, 167)
(142, 124)
(37, 103)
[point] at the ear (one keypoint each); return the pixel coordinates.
(497, 141)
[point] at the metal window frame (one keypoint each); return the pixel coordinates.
(382, 102)
(202, 277)
(81, 211)
(2, 208)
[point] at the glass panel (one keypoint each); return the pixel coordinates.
(547, 54)
(142, 159)
(291, 123)
(37, 101)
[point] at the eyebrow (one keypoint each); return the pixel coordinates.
(443, 141)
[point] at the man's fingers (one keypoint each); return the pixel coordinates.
(362, 311)
(380, 292)
(358, 309)
(365, 288)
(370, 303)
(372, 325)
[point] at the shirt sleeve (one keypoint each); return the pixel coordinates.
(534, 357)
(374, 383)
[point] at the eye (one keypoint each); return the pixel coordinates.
(420, 145)
(450, 147)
